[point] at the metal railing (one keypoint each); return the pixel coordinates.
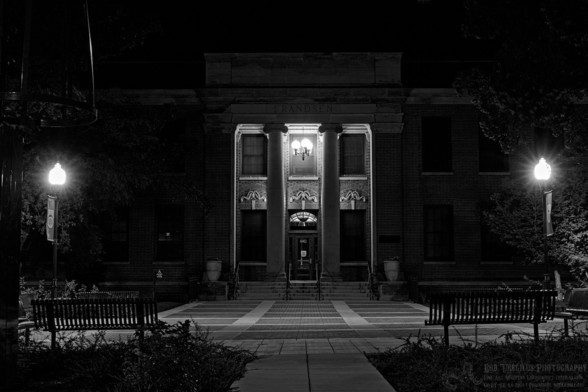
(288, 276)
(372, 284)
(318, 282)
(233, 289)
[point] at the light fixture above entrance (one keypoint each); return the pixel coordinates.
(302, 147)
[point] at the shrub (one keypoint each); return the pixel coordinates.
(169, 358)
(425, 364)
(172, 358)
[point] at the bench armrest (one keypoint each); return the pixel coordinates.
(564, 314)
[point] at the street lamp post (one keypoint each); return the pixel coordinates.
(543, 173)
(56, 178)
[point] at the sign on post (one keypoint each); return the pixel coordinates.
(51, 218)
(548, 229)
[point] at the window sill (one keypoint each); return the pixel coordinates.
(302, 178)
(496, 262)
(439, 262)
(252, 264)
(437, 173)
(170, 262)
(354, 264)
(253, 178)
(116, 262)
(494, 173)
(354, 178)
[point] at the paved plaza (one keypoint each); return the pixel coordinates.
(321, 345)
(328, 327)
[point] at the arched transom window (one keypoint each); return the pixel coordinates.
(303, 220)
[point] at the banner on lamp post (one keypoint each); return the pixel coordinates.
(548, 229)
(51, 218)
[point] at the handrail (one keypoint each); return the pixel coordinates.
(318, 281)
(372, 284)
(326, 272)
(234, 283)
(288, 281)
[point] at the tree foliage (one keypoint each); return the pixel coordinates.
(540, 52)
(538, 81)
(516, 216)
(107, 164)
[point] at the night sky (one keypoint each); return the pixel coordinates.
(173, 59)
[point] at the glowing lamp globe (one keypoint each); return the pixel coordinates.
(57, 175)
(542, 170)
(306, 144)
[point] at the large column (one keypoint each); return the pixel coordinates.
(276, 202)
(330, 247)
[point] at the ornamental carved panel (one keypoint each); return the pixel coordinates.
(352, 199)
(303, 198)
(254, 199)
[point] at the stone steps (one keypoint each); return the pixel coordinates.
(303, 291)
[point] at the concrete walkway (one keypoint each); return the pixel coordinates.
(313, 372)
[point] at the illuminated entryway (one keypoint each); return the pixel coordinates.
(303, 263)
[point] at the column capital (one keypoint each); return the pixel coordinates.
(275, 127)
(331, 127)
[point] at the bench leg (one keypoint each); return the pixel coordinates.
(53, 339)
(566, 328)
(446, 334)
(536, 331)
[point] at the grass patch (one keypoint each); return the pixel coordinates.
(170, 358)
(516, 363)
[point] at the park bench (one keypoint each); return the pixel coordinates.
(491, 307)
(575, 307)
(74, 314)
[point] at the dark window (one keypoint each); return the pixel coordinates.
(172, 141)
(389, 239)
(436, 144)
(492, 249)
(116, 235)
(254, 155)
(352, 238)
(303, 164)
(170, 232)
(438, 222)
(492, 159)
(352, 155)
(547, 145)
(253, 235)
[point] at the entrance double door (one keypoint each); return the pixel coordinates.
(303, 260)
